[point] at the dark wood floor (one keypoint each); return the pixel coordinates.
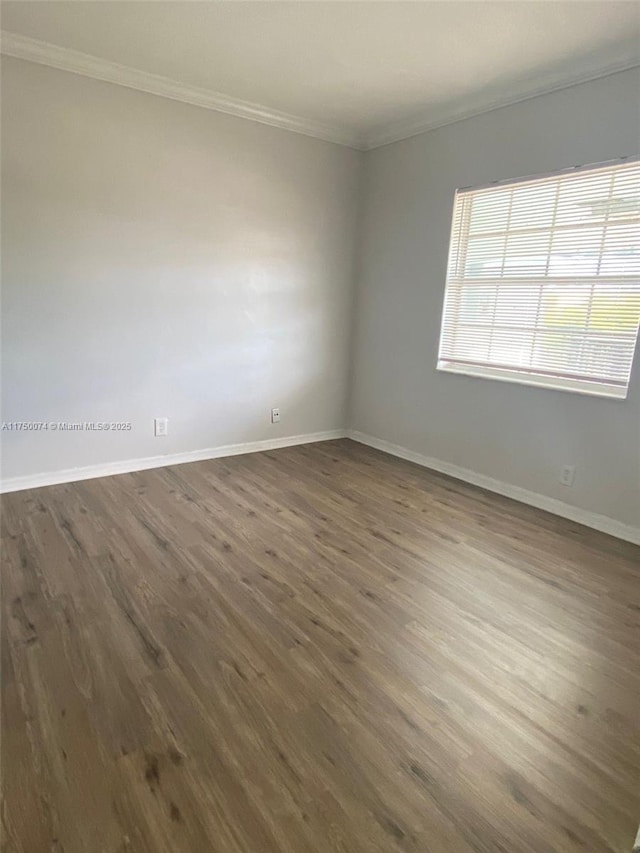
(315, 649)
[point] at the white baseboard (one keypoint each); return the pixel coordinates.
(582, 516)
(71, 475)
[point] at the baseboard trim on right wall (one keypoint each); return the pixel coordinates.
(582, 516)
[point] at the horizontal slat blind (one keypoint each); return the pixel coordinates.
(543, 280)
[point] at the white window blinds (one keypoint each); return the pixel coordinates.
(543, 281)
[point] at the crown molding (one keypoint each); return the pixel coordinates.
(406, 128)
(66, 59)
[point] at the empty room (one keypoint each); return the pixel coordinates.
(320, 428)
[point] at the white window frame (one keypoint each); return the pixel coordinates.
(456, 278)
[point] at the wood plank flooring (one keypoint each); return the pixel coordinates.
(314, 649)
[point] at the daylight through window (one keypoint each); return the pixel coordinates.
(543, 280)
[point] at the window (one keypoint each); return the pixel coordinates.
(543, 281)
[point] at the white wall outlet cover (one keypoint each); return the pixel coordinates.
(161, 426)
(567, 473)
(275, 416)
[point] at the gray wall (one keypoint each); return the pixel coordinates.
(517, 434)
(165, 260)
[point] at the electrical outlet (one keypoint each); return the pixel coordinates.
(567, 473)
(275, 416)
(161, 426)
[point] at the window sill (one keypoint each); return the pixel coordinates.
(555, 383)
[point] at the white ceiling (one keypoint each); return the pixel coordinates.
(367, 71)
